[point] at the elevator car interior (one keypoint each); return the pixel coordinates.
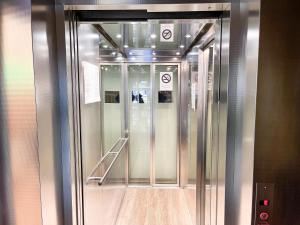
(147, 112)
(137, 80)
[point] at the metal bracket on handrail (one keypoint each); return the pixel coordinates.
(109, 152)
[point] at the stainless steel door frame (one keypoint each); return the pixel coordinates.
(178, 122)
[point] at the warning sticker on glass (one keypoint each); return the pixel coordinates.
(166, 81)
(167, 32)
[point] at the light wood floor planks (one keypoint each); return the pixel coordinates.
(154, 206)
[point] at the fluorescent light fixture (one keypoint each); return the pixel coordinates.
(105, 46)
(133, 58)
(130, 53)
(188, 35)
(177, 53)
(119, 36)
(154, 58)
(125, 46)
(153, 36)
(181, 46)
(175, 58)
(153, 46)
(113, 53)
(153, 53)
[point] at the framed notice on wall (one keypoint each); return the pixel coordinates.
(91, 83)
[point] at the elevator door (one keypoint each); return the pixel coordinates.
(153, 123)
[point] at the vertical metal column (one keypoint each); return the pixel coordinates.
(201, 141)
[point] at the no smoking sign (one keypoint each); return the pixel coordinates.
(166, 81)
(167, 32)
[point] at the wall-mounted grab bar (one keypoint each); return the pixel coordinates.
(116, 154)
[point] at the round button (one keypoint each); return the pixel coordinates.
(264, 216)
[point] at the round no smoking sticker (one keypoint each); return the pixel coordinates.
(166, 78)
(166, 32)
(166, 81)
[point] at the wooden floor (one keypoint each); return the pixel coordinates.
(154, 206)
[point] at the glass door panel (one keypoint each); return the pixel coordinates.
(139, 110)
(166, 123)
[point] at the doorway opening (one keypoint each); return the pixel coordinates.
(144, 94)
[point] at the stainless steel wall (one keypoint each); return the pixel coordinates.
(47, 111)
(243, 63)
(277, 142)
(19, 162)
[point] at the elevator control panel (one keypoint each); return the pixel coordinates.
(264, 203)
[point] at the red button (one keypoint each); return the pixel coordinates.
(264, 216)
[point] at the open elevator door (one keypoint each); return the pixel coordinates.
(106, 163)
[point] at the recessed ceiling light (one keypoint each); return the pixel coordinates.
(153, 53)
(125, 46)
(113, 53)
(177, 53)
(118, 35)
(153, 36)
(153, 46)
(181, 46)
(106, 69)
(188, 35)
(154, 58)
(175, 58)
(105, 46)
(130, 53)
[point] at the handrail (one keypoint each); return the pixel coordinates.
(101, 179)
(102, 159)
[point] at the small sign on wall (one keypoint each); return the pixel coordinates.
(167, 32)
(91, 83)
(166, 81)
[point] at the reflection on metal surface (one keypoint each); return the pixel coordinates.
(245, 18)
(48, 115)
(19, 185)
(137, 5)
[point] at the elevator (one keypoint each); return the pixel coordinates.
(146, 104)
(129, 112)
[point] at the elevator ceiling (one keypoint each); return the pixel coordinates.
(142, 41)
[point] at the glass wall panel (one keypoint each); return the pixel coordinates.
(112, 105)
(139, 102)
(166, 123)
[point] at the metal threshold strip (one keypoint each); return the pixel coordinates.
(116, 154)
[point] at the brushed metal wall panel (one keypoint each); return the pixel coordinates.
(277, 142)
(20, 186)
(48, 114)
(243, 63)
(99, 2)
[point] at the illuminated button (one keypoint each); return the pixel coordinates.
(264, 216)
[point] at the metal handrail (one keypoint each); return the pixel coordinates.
(102, 159)
(101, 179)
